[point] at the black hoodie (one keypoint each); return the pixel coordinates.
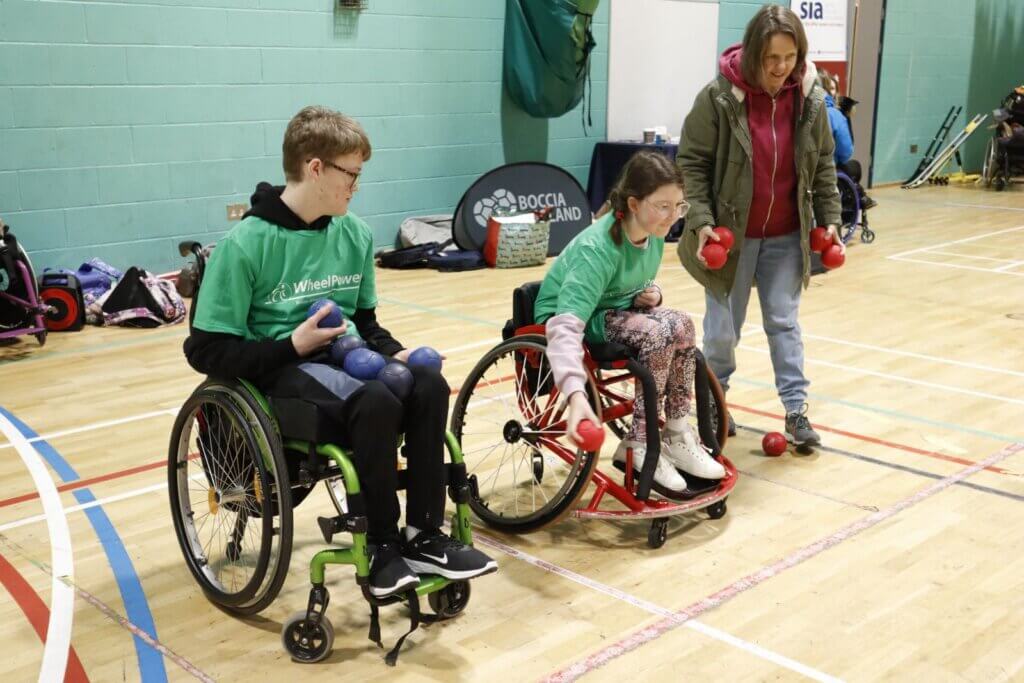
(228, 355)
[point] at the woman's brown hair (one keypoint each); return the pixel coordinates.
(642, 175)
(768, 21)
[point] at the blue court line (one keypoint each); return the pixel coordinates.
(901, 468)
(151, 663)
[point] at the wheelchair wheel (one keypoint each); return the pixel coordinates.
(990, 164)
(507, 411)
(850, 207)
(230, 497)
(305, 641)
(616, 392)
(449, 602)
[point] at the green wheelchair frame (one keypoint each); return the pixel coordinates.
(228, 431)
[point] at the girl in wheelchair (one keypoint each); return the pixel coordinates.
(601, 289)
(299, 243)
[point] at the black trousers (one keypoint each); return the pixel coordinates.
(369, 419)
(852, 169)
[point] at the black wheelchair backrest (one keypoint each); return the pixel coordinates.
(523, 299)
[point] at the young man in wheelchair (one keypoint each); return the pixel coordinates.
(251, 323)
(601, 289)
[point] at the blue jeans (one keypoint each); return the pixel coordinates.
(777, 265)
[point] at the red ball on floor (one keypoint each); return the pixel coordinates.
(774, 444)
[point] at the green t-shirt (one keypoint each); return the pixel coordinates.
(262, 278)
(593, 275)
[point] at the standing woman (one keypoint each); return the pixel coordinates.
(757, 156)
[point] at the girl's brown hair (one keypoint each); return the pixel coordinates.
(768, 21)
(642, 175)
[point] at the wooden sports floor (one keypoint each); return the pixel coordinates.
(894, 552)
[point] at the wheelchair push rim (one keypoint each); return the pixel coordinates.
(510, 421)
(227, 493)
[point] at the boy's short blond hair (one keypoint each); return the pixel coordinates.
(321, 133)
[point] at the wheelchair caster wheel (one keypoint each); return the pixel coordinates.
(305, 641)
(233, 551)
(867, 236)
(538, 467)
(658, 533)
(450, 600)
(717, 510)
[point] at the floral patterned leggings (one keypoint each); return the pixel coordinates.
(664, 340)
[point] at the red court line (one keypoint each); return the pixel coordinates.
(860, 437)
(38, 615)
(880, 442)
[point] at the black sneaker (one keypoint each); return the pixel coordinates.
(799, 428)
(433, 552)
(732, 426)
(868, 203)
(389, 573)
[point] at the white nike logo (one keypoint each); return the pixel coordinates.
(441, 560)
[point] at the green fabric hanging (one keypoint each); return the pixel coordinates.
(547, 53)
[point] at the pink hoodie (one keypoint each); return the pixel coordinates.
(772, 123)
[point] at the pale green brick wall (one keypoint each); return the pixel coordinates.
(126, 126)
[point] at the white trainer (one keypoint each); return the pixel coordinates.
(683, 451)
(667, 480)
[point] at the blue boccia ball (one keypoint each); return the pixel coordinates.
(332, 319)
(344, 345)
(363, 364)
(398, 378)
(426, 357)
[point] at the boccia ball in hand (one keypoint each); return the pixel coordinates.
(725, 238)
(397, 378)
(833, 257)
(591, 435)
(344, 345)
(426, 357)
(819, 239)
(715, 255)
(363, 363)
(332, 319)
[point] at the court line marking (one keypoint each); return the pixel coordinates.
(640, 637)
(150, 662)
(111, 614)
(37, 613)
(62, 599)
(963, 240)
(652, 608)
(959, 266)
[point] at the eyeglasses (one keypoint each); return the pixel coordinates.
(666, 209)
(351, 174)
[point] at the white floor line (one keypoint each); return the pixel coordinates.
(972, 256)
(62, 596)
(739, 643)
(906, 380)
(958, 266)
(100, 425)
(973, 238)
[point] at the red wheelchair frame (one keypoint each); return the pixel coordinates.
(542, 418)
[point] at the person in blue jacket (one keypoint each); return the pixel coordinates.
(843, 137)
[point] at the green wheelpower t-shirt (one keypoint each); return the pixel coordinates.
(593, 275)
(262, 278)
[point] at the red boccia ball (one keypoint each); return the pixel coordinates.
(833, 257)
(725, 238)
(591, 435)
(774, 444)
(715, 255)
(819, 242)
